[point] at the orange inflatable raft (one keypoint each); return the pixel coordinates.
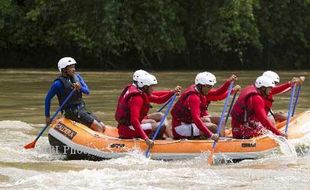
(79, 142)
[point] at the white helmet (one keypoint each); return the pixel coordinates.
(64, 62)
(264, 81)
(274, 76)
(138, 73)
(205, 78)
(146, 80)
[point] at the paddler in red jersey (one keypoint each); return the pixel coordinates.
(190, 118)
(155, 116)
(278, 89)
(249, 117)
(133, 107)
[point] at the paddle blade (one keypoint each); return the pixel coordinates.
(30, 145)
(147, 153)
(210, 160)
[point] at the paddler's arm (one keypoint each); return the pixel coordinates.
(258, 107)
(161, 92)
(279, 89)
(161, 99)
(194, 105)
(135, 106)
(177, 90)
(224, 95)
(56, 86)
(223, 88)
(80, 84)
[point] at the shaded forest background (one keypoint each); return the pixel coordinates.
(156, 34)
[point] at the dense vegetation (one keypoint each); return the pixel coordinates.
(158, 34)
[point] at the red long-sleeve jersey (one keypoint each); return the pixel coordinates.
(136, 103)
(194, 104)
(279, 89)
(257, 104)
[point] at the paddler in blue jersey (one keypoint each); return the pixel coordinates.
(75, 108)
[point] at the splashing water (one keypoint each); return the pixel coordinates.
(285, 146)
(41, 169)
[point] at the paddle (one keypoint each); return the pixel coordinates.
(147, 152)
(296, 100)
(162, 107)
(289, 114)
(33, 143)
(231, 104)
(210, 160)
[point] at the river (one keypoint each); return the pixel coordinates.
(22, 116)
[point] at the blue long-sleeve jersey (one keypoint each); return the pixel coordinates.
(56, 87)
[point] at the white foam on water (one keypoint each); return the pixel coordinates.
(14, 135)
(13, 125)
(42, 152)
(114, 178)
(129, 173)
(302, 145)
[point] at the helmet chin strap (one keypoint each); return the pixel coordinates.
(263, 90)
(64, 72)
(199, 88)
(144, 88)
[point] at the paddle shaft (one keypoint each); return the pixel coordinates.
(289, 114)
(231, 104)
(55, 114)
(219, 127)
(147, 153)
(210, 159)
(296, 100)
(162, 107)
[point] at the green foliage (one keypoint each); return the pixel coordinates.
(225, 25)
(229, 25)
(156, 32)
(285, 27)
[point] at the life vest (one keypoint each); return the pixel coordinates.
(76, 98)
(240, 111)
(122, 94)
(181, 110)
(122, 113)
